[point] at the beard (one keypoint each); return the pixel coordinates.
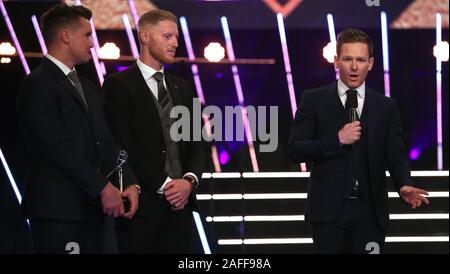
(159, 56)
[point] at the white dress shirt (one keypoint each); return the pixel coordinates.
(147, 73)
(65, 69)
(361, 91)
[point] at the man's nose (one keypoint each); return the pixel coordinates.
(175, 43)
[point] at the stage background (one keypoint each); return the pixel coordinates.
(254, 33)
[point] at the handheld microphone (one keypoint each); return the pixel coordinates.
(351, 105)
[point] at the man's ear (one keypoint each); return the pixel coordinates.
(371, 61)
(144, 36)
(64, 36)
(336, 59)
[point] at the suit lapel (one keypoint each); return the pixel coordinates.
(335, 107)
(62, 79)
(142, 90)
(173, 90)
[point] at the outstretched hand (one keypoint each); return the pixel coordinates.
(413, 196)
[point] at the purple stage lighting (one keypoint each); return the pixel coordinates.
(414, 154)
(120, 68)
(224, 157)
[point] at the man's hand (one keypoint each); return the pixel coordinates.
(112, 201)
(413, 196)
(350, 133)
(131, 193)
(177, 193)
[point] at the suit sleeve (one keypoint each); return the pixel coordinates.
(396, 155)
(111, 151)
(304, 145)
(116, 105)
(39, 107)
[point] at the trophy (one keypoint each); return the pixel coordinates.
(121, 160)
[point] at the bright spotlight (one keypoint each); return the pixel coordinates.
(329, 51)
(7, 49)
(440, 51)
(5, 60)
(109, 51)
(214, 52)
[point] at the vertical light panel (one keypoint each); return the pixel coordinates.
(97, 46)
(240, 95)
(133, 11)
(287, 68)
(10, 177)
(37, 29)
(198, 88)
(332, 34)
(439, 93)
(201, 232)
(384, 39)
(14, 38)
(131, 40)
(11, 180)
(287, 64)
(99, 66)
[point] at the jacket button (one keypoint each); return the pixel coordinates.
(163, 153)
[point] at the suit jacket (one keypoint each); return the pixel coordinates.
(71, 147)
(134, 120)
(314, 139)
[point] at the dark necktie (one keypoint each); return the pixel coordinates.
(163, 97)
(76, 82)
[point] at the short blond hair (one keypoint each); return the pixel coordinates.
(153, 17)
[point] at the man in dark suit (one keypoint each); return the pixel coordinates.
(71, 148)
(347, 201)
(137, 104)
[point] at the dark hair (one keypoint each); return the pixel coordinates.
(353, 36)
(61, 15)
(153, 17)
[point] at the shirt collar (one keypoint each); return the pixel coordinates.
(342, 89)
(65, 69)
(147, 71)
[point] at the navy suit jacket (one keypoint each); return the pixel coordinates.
(314, 139)
(71, 149)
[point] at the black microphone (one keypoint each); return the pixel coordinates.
(351, 104)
